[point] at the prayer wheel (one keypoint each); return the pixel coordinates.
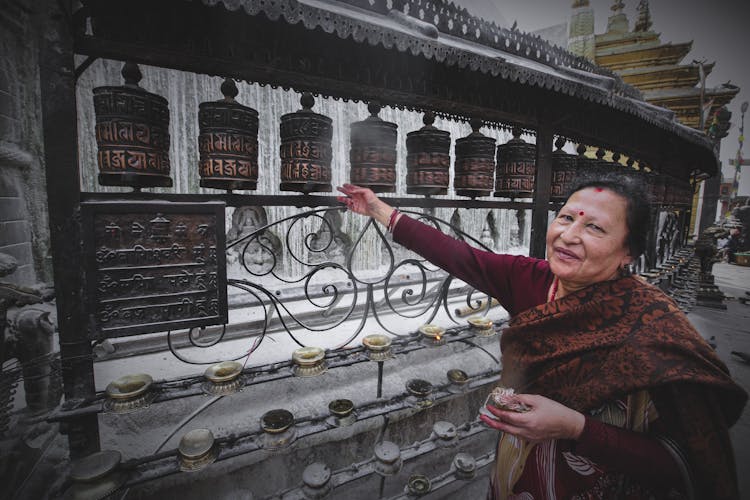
(516, 168)
(428, 159)
(564, 168)
(132, 134)
(373, 152)
(475, 163)
(305, 149)
(228, 142)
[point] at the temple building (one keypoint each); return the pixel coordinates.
(642, 60)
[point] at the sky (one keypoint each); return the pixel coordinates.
(719, 29)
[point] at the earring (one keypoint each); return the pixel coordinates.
(626, 270)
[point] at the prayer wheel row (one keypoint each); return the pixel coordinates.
(132, 132)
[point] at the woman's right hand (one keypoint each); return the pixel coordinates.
(363, 201)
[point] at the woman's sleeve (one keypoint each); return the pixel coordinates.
(512, 280)
(638, 455)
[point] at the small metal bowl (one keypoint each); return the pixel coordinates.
(378, 346)
(129, 386)
(196, 443)
(225, 371)
(197, 449)
(309, 361)
(308, 356)
(276, 421)
(432, 331)
(341, 408)
(481, 323)
(419, 388)
(456, 376)
(432, 335)
(95, 466)
(377, 342)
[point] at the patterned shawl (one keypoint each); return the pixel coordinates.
(615, 338)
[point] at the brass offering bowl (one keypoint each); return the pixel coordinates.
(276, 421)
(309, 361)
(458, 379)
(482, 326)
(378, 346)
(342, 412)
(95, 476)
(129, 393)
(196, 450)
(420, 391)
(223, 378)
(279, 431)
(433, 335)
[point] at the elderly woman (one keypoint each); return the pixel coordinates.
(622, 398)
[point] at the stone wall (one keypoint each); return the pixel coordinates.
(24, 232)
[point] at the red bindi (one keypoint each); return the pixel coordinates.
(599, 190)
(580, 213)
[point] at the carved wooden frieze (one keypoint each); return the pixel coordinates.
(152, 267)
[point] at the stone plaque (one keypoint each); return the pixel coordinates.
(153, 266)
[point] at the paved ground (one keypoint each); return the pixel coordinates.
(731, 329)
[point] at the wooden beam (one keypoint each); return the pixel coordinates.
(57, 85)
(539, 213)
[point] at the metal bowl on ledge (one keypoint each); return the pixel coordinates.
(223, 378)
(482, 326)
(129, 393)
(309, 361)
(432, 335)
(377, 346)
(196, 450)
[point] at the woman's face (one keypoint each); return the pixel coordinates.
(586, 241)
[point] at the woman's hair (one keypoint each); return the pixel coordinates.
(638, 207)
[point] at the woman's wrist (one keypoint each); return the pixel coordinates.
(382, 213)
(578, 424)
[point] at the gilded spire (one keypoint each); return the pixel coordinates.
(644, 17)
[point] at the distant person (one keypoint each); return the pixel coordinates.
(734, 244)
(625, 399)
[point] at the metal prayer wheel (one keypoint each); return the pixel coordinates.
(475, 163)
(564, 167)
(516, 168)
(228, 142)
(588, 168)
(373, 152)
(305, 149)
(428, 159)
(132, 134)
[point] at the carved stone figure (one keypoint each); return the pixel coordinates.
(258, 257)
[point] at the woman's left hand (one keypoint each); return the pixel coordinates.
(545, 420)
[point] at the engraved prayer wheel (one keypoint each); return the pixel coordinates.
(516, 168)
(588, 168)
(132, 134)
(305, 149)
(428, 159)
(228, 142)
(564, 167)
(475, 163)
(596, 168)
(373, 152)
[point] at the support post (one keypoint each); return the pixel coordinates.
(542, 184)
(711, 191)
(57, 86)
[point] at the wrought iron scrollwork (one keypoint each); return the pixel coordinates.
(403, 286)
